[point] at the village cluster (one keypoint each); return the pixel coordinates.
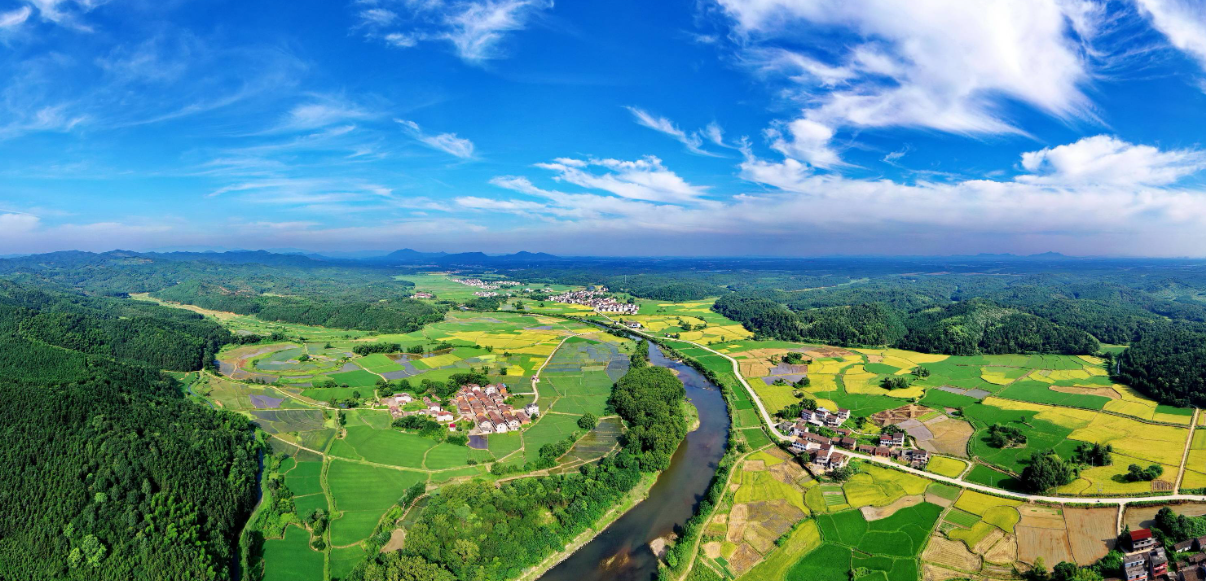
(824, 450)
(486, 285)
(596, 300)
(1147, 560)
(484, 409)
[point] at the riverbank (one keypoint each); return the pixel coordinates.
(691, 414)
(637, 495)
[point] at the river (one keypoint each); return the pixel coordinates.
(621, 552)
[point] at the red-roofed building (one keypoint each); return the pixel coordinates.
(1142, 540)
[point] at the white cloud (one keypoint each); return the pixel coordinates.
(14, 18)
(323, 113)
(937, 64)
(66, 12)
(1183, 22)
(378, 16)
(479, 27)
(642, 179)
(1070, 194)
(1103, 159)
(693, 141)
(401, 40)
(476, 29)
(447, 142)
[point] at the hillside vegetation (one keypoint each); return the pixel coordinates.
(112, 472)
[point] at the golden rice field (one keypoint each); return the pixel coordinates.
(1135, 404)
(944, 466)
(1101, 479)
(876, 486)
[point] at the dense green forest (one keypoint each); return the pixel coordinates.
(398, 314)
(480, 532)
(113, 473)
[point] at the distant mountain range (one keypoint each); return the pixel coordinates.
(409, 256)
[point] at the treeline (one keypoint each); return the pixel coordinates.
(480, 532)
(397, 315)
(112, 472)
(1168, 364)
(967, 328)
(33, 319)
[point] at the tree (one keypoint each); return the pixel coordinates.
(304, 357)
(1047, 471)
(891, 382)
(588, 421)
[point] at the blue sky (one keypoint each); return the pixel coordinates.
(701, 127)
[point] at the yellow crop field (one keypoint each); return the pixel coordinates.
(869, 383)
(822, 382)
(515, 370)
(1064, 374)
(767, 458)
(543, 350)
(1193, 480)
(1153, 443)
(877, 486)
(1040, 375)
(1091, 360)
(1002, 517)
(1066, 417)
(979, 503)
(1100, 480)
(994, 377)
(1096, 371)
(440, 360)
(830, 366)
(914, 357)
(948, 467)
(761, 485)
(1135, 404)
(774, 397)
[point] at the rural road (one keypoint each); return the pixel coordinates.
(937, 477)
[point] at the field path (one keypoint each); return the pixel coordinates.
(1185, 454)
(945, 479)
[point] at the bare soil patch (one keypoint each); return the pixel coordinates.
(933, 572)
(744, 558)
(1142, 517)
(1041, 517)
(1050, 544)
(712, 549)
(397, 539)
(951, 554)
(950, 436)
(938, 500)
(900, 414)
(1090, 532)
(1162, 486)
(1098, 391)
(754, 466)
(881, 512)
(788, 473)
(737, 519)
(1005, 551)
(989, 541)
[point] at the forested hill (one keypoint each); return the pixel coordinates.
(274, 287)
(110, 472)
(968, 328)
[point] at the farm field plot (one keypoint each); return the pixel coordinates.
(944, 466)
(887, 547)
(382, 446)
(580, 375)
(551, 427)
(876, 486)
(767, 501)
(362, 494)
(291, 558)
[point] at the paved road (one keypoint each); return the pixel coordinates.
(946, 479)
